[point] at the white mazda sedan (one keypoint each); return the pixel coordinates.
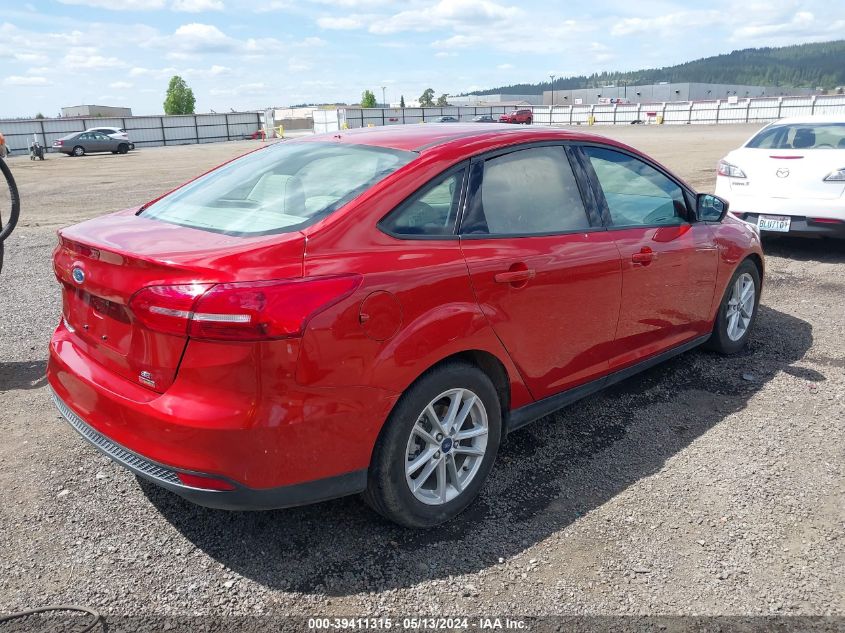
(789, 177)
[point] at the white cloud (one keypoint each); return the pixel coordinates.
(458, 41)
(669, 23)
(197, 6)
(504, 66)
(88, 58)
(201, 38)
(446, 14)
(16, 80)
(121, 85)
(121, 5)
(340, 23)
(802, 25)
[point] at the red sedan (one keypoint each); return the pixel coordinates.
(373, 311)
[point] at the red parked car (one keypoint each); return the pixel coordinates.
(373, 311)
(517, 116)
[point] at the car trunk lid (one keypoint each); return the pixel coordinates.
(789, 173)
(103, 262)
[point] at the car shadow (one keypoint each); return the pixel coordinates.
(23, 375)
(547, 475)
(804, 249)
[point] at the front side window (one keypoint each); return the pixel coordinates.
(285, 187)
(432, 211)
(527, 192)
(636, 193)
(800, 136)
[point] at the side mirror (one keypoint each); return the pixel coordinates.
(710, 208)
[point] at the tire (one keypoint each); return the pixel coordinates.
(727, 338)
(79, 151)
(123, 148)
(402, 444)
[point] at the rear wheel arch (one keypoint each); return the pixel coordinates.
(487, 362)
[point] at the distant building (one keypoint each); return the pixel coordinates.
(96, 111)
(496, 99)
(658, 93)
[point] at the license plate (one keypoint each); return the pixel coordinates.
(779, 223)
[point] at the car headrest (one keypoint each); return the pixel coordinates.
(804, 137)
(280, 191)
(841, 143)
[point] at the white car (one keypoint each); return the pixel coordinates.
(113, 132)
(789, 177)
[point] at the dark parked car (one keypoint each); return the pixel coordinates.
(517, 116)
(446, 119)
(484, 118)
(81, 143)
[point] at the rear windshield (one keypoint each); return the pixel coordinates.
(285, 187)
(801, 136)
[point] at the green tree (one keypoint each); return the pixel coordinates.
(368, 99)
(41, 116)
(441, 100)
(180, 99)
(427, 98)
(402, 101)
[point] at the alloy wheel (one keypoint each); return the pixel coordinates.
(446, 447)
(740, 307)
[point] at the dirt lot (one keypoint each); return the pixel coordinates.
(707, 485)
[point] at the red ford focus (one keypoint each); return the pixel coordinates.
(374, 311)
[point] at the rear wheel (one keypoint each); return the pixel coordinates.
(79, 151)
(123, 148)
(738, 311)
(437, 447)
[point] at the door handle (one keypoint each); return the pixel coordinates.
(514, 276)
(644, 257)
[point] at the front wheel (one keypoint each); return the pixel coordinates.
(437, 447)
(123, 148)
(738, 311)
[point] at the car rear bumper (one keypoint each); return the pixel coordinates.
(284, 446)
(240, 498)
(801, 226)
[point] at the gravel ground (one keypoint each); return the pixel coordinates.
(704, 486)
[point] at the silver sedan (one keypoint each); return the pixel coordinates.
(81, 143)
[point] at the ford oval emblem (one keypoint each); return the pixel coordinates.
(78, 274)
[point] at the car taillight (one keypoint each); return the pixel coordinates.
(242, 311)
(838, 175)
(58, 143)
(729, 170)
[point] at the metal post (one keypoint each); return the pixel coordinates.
(163, 135)
(813, 105)
(780, 106)
(747, 109)
(196, 130)
(43, 135)
(228, 133)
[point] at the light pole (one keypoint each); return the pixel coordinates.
(552, 106)
(383, 100)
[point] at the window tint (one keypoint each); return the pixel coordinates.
(283, 187)
(431, 211)
(531, 191)
(801, 136)
(636, 193)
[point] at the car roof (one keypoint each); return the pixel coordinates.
(810, 119)
(430, 137)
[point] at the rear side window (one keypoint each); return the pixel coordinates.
(431, 211)
(285, 187)
(800, 136)
(527, 192)
(636, 193)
